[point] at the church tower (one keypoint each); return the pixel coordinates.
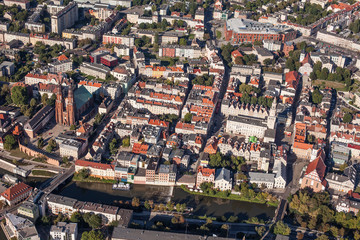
(70, 107)
(59, 106)
(271, 121)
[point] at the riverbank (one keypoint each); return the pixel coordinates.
(223, 195)
(78, 178)
(42, 173)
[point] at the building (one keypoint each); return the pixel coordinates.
(7, 68)
(70, 109)
(99, 170)
(223, 180)
(64, 231)
(247, 126)
(24, 4)
(121, 233)
(205, 175)
(65, 18)
(29, 210)
(340, 184)
(16, 194)
(262, 179)
(314, 176)
(244, 30)
(108, 213)
(95, 70)
(347, 206)
(109, 61)
(72, 148)
(59, 204)
(20, 228)
(39, 120)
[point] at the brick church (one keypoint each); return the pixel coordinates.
(70, 108)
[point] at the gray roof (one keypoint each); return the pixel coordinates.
(248, 120)
(261, 177)
(140, 234)
(61, 200)
(222, 174)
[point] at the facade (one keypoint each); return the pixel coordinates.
(204, 175)
(95, 70)
(72, 148)
(40, 119)
(262, 179)
(59, 204)
(65, 18)
(247, 126)
(223, 180)
(314, 176)
(24, 4)
(64, 231)
(17, 193)
(245, 30)
(99, 170)
(29, 210)
(7, 68)
(339, 183)
(20, 228)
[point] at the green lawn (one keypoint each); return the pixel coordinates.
(42, 173)
(17, 153)
(330, 84)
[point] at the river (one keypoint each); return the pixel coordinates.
(103, 193)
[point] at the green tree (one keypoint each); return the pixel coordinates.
(316, 96)
(76, 217)
(72, 127)
(281, 228)
(126, 142)
(182, 42)
(260, 230)
(33, 102)
(113, 146)
(92, 235)
(95, 221)
(218, 34)
(347, 118)
(188, 117)
(9, 142)
(19, 95)
(83, 174)
(40, 143)
(322, 237)
(46, 220)
(51, 145)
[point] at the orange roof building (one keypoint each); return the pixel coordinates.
(314, 176)
(204, 175)
(16, 194)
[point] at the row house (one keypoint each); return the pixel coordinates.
(98, 170)
(180, 51)
(233, 107)
(155, 107)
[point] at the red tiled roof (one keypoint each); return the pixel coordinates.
(206, 171)
(90, 164)
(318, 165)
(16, 191)
(62, 57)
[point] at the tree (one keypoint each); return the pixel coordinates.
(95, 221)
(33, 102)
(40, 143)
(183, 42)
(316, 96)
(46, 220)
(51, 145)
(267, 61)
(239, 60)
(72, 127)
(76, 217)
(218, 34)
(19, 95)
(135, 202)
(188, 117)
(126, 142)
(260, 230)
(113, 146)
(9, 142)
(324, 74)
(347, 118)
(323, 237)
(92, 235)
(281, 228)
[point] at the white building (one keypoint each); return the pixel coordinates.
(223, 180)
(64, 231)
(247, 126)
(265, 179)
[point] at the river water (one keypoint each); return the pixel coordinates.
(103, 193)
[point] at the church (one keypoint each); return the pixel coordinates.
(73, 104)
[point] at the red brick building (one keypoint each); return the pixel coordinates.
(109, 61)
(245, 30)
